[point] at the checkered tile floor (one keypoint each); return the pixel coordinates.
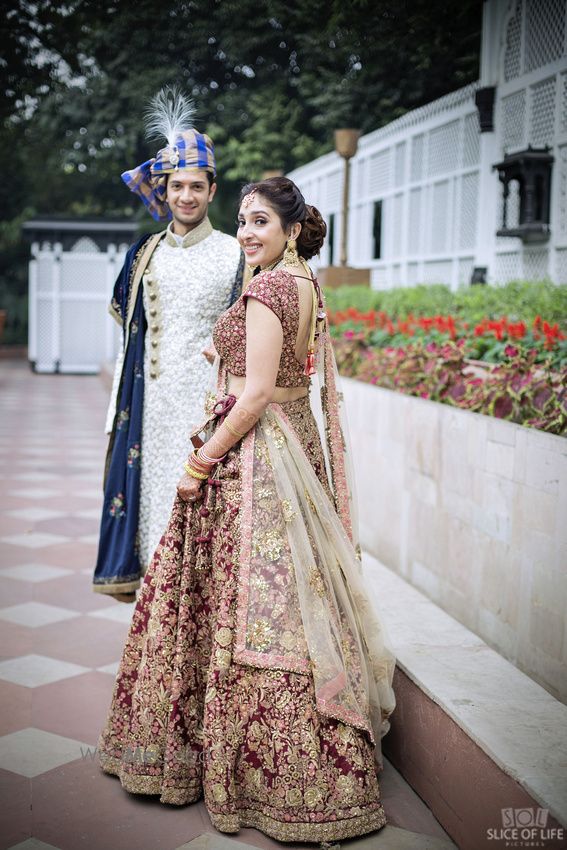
(60, 645)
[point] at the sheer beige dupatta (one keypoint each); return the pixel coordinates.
(301, 604)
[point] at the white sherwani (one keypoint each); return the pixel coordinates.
(186, 287)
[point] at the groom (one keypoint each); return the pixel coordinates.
(169, 293)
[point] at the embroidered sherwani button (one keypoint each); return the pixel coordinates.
(155, 328)
(153, 312)
(153, 374)
(154, 343)
(153, 296)
(154, 360)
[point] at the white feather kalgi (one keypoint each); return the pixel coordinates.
(169, 114)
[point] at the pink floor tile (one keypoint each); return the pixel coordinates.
(71, 501)
(14, 639)
(115, 821)
(11, 555)
(69, 555)
(13, 592)
(68, 525)
(21, 555)
(74, 707)
(90, 641)
(11, 525)
(14, 503)
(15, 707)
(73, 591)
(15, 809)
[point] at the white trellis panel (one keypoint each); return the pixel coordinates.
(432, 169)
(70, 329)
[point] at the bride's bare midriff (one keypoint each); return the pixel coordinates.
(281, 394)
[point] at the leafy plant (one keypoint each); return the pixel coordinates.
(517, 390)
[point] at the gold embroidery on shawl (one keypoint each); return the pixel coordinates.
(268, 544)
(261, 587)
(288, 513)
(261, 452)
(288, 640)
(275, 432)
(310, 501)
(260, 634)
(316, 581)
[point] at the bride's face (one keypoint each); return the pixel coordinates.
(260, 231)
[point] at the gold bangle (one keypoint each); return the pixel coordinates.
(193, 473)
(233, 430)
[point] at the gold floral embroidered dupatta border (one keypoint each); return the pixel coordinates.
(301, 602)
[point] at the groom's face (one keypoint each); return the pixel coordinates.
(189, 194)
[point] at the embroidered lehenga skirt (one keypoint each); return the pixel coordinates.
(219, 694)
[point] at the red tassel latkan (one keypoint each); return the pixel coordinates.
(310, 363)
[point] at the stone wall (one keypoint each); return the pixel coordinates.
(472, 511)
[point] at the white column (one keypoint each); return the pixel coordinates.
(56, 326)
(494, 16)
(110, 346)
(32, 304)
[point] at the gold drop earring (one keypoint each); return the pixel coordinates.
(290, 255)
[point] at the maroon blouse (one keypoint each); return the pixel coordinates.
(277, 290)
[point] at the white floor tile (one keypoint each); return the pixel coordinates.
(35, 572)
(89, 493)
(109, 668)
(35, 514)
(36, 476)
(31, 752)
(35, 541)
(36, 614)
(91, 513)
(33, 844)
(32, 671)
(120, 612)
(91, 539)
(35, 493)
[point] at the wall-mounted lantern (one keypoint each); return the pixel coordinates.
(531, 169)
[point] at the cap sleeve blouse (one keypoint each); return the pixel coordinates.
(277, 290)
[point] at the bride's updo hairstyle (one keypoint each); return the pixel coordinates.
(283, 195)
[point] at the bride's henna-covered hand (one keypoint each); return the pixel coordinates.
(189, 488)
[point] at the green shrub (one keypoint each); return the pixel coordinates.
(519, 300)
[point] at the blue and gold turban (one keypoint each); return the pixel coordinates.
(186, 150)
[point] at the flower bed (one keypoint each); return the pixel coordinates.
(503, 366)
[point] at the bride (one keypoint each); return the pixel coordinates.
(255, 672)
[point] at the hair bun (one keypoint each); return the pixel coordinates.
(313, 232)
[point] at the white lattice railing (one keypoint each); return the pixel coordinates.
(432, 170)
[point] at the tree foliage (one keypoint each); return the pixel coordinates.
(270, 79)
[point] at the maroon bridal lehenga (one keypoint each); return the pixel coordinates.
(255, 673)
